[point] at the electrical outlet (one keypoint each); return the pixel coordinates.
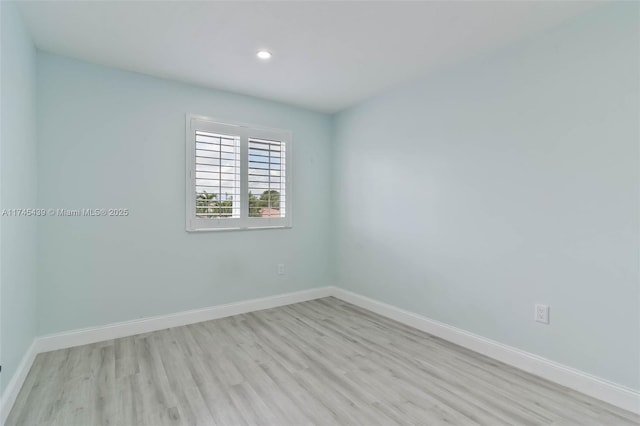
(280, 268)
(542, 314)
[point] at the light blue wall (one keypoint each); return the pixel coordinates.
(110, 138)
(505, 181)
(17, 190)
(467, 197)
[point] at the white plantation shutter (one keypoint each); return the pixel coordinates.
(217, 174)
(267, 178)
(238, 176)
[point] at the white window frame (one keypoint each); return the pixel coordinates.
(245, 132)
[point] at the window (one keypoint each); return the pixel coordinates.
(238, 176)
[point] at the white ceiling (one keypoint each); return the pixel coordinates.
(326, 55)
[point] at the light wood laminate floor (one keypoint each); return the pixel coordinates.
(322, 362)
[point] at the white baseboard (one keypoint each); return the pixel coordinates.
(580, 381)
(15, 383)
(89, 335)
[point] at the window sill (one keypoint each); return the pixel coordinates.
(249, 228)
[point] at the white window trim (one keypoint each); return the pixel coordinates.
(245, 131)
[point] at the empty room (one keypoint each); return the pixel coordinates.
(289, 213)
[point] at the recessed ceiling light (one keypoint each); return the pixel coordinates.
(263, 54)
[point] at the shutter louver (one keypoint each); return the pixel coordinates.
(217, 175)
